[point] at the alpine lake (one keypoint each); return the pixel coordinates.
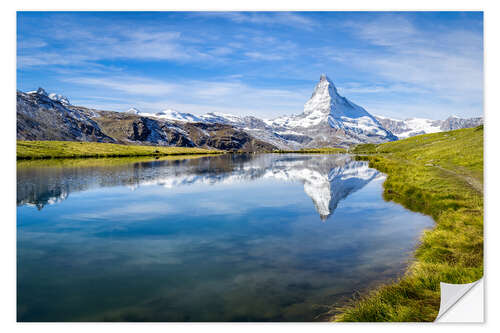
(234, 237)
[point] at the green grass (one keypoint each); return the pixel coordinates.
(98, 162)
(327, 150)
(440, 175)
(70, 149)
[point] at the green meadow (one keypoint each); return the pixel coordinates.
(327, 150)
(440, 175)
(70, 149)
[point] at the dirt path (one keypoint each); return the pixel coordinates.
(473, 182)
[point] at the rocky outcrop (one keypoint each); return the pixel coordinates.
(42, 118)
(417, 126)
(453, 123)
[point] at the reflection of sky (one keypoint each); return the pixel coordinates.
(253, 250)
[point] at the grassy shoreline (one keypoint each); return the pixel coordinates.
(440, 175)
(31, 150)
(328, 150)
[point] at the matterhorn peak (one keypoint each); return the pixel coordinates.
(325, 82)
(321, 100)
(324, 77)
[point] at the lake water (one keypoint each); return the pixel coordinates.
(242, 237)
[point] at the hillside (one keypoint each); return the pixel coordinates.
(440, 175)
(39, 117)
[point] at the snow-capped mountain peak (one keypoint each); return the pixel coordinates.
(327, 110)
(224, 118)
(322, 96)
(55, 97)
(39, 91)
(133, 111)
(172, 114)
(59, 98)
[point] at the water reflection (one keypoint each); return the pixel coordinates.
(227, 238)
(327, 179)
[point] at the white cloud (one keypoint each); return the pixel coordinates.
(263, 56)
(195, 96)
(278, 18)
(439, 68)
(83, 45)
(131, 85)
(444, 67)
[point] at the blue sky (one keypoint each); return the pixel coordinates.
(422, 64)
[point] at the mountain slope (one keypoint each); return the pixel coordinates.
(416, 126)
(328, 120)
(40, 117)
(331, 119)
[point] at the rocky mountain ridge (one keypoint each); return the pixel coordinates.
(416, 126)
(40, 117)
(328, 120)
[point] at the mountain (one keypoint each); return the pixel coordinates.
(453, 123)
(40, 117)
(133, 111)
(53, 96)
(416, 126)
(330, 118)
(174, 115)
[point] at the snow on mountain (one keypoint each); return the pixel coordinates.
(328, 120)
(171, 114)
(55, 97)
(454, 122)
(416, 126)
(133, 111)
(59, 98)
(222, 118)
(410, 127)
(328, 109)
(39, 91)
(168, 114)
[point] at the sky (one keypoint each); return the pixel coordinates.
(265, 64)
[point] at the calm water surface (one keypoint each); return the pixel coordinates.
(224, 238)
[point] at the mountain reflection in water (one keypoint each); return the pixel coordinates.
(327, 179)
(221, 238)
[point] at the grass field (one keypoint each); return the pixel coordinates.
(313, 151)
(99, 162)
(440, 175)
(70, 149)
